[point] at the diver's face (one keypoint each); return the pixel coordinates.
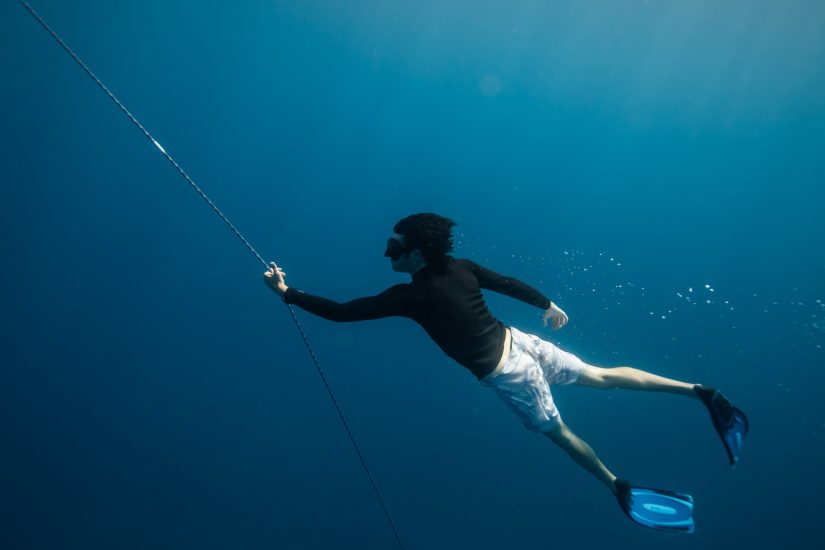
(396, 251)
(401, 259)
(395, 246)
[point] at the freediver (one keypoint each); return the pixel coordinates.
(445, 298)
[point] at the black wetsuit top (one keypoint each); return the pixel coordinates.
(447, 303)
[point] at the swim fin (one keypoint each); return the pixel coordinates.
(731, 424)
(656, 508)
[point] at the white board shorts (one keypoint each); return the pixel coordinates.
(523, 381)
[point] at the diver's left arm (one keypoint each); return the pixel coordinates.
(510, 286)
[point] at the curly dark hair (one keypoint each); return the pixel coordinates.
(430, 233)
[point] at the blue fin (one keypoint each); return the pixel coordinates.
(731, 423)
(656, 508)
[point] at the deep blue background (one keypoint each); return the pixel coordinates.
(154, 394)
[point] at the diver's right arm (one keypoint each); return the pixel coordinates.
(387, 304)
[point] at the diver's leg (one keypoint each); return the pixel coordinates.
(581, 452)
(632, 379)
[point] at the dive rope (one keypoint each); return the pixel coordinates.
(243, 240)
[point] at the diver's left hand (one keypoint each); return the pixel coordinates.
(274, 278)
(557, 314)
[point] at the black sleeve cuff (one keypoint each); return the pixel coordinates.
(288, 296)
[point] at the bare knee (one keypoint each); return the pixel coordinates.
(613, 377)
(597, 377)
(558, 432)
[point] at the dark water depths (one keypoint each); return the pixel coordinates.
(654, 167)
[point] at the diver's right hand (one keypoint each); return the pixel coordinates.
(274, 279)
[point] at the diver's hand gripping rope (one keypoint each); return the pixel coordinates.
(243, 240)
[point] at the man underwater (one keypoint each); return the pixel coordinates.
(445, 298)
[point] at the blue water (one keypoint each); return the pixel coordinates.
(615, 155)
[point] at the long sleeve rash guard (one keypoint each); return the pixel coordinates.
(448, 304)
